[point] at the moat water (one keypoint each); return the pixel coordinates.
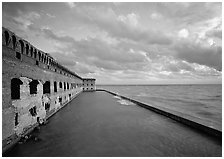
(200, 103)
(98, 124)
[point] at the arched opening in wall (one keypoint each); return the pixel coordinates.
(16, 119)
(31, 52)
(6, 38)
(39, 55)
(45, 59)
(14, 42)
(70, 96)
(18, 55)
(42, 58)
(33, 86)
(15, 88)
(67, 86)
(47, 87)
(60, 100)
(21, 46)
(60, 85)
(27, 49)
(37, 63)
(55, 86)
(33, 111)
(64, 86)
(35, 53)
(47, 106)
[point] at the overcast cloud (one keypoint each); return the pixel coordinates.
(126, 43)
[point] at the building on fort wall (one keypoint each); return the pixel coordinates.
(34, 87)
(89, 84)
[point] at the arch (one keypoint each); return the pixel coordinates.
(55, 86)
(64, 86)
(47, 61)
(6, 38)
(14, 42)
(60, 84)
(42, 58)
(31, 51)
(33, 86)
(27, 49)
(21, 46)
(39, 55)
(35, 53)
(67, 86)
(47, 87)
(15, 88)
(33, 111)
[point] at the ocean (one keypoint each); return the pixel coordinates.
(200, 103)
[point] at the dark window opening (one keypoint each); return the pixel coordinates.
(14, 42)
(16, 119)
(55, 70)
(60, 100)
(37, 63)
(31, 52)
(21, 46)
(39, 54)
(27, 49)
(67, 86)
(60, 85)
(33, 86)
(55, 86)
(18, 55)
(33, 111)
(48, 67)
(91, 84)
(47, 106)
(6, 38)
(46, 87)
(64, 86)
(38, 119)
(15, 88)
(35, 54)
(42, 58)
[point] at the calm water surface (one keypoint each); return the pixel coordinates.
(201, 103)
(99, 124)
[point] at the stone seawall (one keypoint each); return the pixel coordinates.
(190, 123)
(34, 87)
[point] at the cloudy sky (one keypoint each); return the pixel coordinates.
(126, 43)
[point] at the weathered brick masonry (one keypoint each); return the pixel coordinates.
(34, 87)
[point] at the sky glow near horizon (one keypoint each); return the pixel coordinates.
(126, 43)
